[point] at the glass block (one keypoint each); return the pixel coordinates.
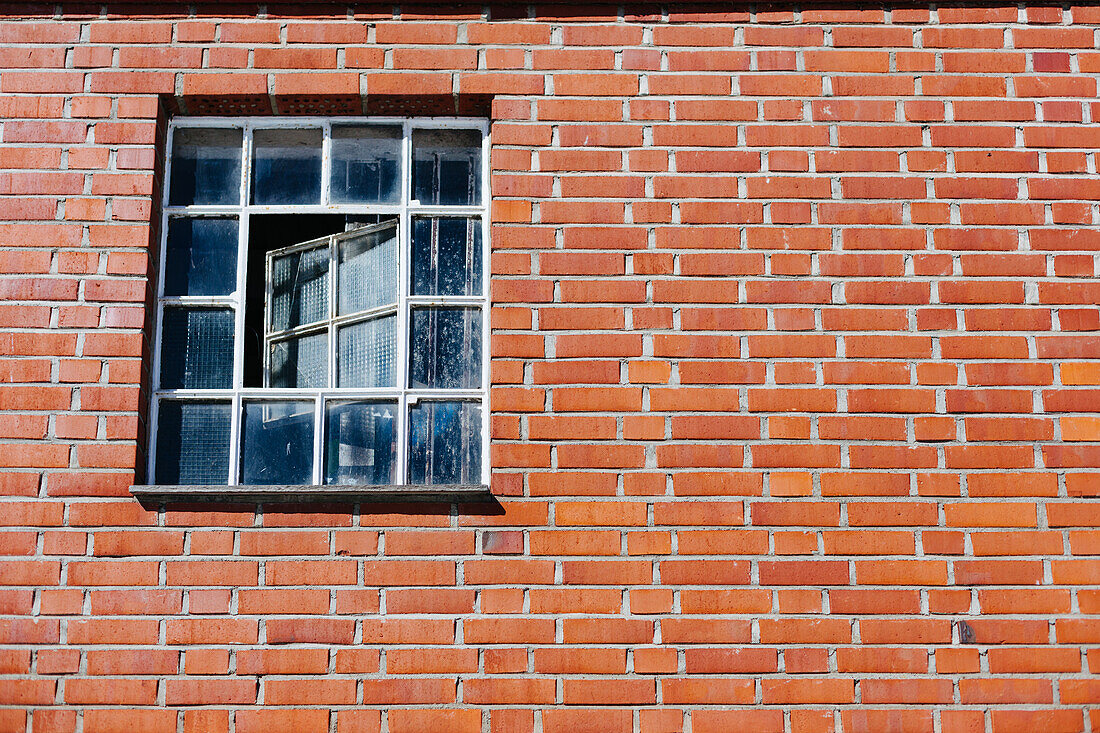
(286, 168)
(299, 288)
(445, 348)
(365, 164)
(361, 443)
(206, 166)
(300, 362)
(366, 354)
(445, 443)
(446, 257)
(367, 272)
(277, 443)
(447, 167)
(192, 443)
(201, 258)
(196, 348)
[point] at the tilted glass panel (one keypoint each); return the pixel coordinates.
(366, 353)
(367, 271)
(365, 164)
(286, 167)
(445, 348)
(193, 443)
(444, 443)
(299, 288)
(446, 258)
(447, 167)
(361, 443)
(277, 443)
(206, 166)
(300, 362)
(201, 256)
(196, 348)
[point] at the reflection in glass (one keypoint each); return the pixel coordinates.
(299, 288)
(196, 348)
(360, 443)
(366, 353)
(201, 257)
(365, 164)
(445, 348)
(286, 167)
(300, 362)
(445, 443)
(192, 443)
(447, 167)
(206, 166)
(367, 271)
(277, 443)
(446, 257)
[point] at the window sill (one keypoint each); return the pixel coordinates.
(153, 494)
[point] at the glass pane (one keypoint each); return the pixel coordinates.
(299, 288)
(447, 167)
(367, 272)
(446, 256)
(192, 443)
(445, 348)
(445, 443)
(196, 348)
(202, 257)
(300, 362)
(287, 167)
(360, 443)
(277, 443)
(206, 166)
(366, 354)
(365, 165)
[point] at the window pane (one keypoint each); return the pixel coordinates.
(300, 362)
(196, 348)
(447, 167)
(360, 443)
(446, 256)
(206, 166)
(367, 271)
(287, 167)
(299, 288)
(202, 257)
(366, 354)
(192, 443)
(445, 348)
(365, 164)
(277, 443)
(445, 443)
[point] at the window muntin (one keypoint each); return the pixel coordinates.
(371, 339)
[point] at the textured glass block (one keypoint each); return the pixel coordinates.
(201, 257)
(367, 273)
(366, 354)
(286, 168)
(446, 258)
(206, 166)
(365, 165)
(447, 167)
(196, 348)
(299, 288)
(277, 443)
(361, 443)
(300, 362)
(444, 443)
(192, 443)
(445, 348)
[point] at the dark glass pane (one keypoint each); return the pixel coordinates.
(206, 166)
(286, 167)
(367, 272)
(361, 443)
(365, 165)
(300, 362)
(201, 258)
(299, 288)
(446, 256)
(277, 443)
(192, 443)
(196, 348)
(366, 354)
(445, 443)
(447, 167)
(445, 348)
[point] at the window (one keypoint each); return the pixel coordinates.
(321, 309)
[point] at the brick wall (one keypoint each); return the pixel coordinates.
(794, 398)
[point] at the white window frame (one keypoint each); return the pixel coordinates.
(405, 210)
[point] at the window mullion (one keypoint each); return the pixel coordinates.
(404, 242)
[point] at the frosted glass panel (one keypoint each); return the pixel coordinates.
(361, 443)
(299, 288)
(447, 167)
(445, 443)
(287, 167)
(193, 443)
(366, 354)
(367, 272)
(365, 165)
(196, 348)
(446, 257)
(206, 166)
(201, 258)
(445, 348)
(300, 362)
(277, 443)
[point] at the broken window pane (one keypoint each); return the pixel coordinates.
(367, 272)
(447, 167)
(300, 362)
(206, 166)
(277, 443)
(366, 354)
(445, 443)
(193, 443)
(365, 164)
(286, 167)
(196, 348)
(299, 288)
(201, 256)
(445, 348)
(360, 443)
(446, 258)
